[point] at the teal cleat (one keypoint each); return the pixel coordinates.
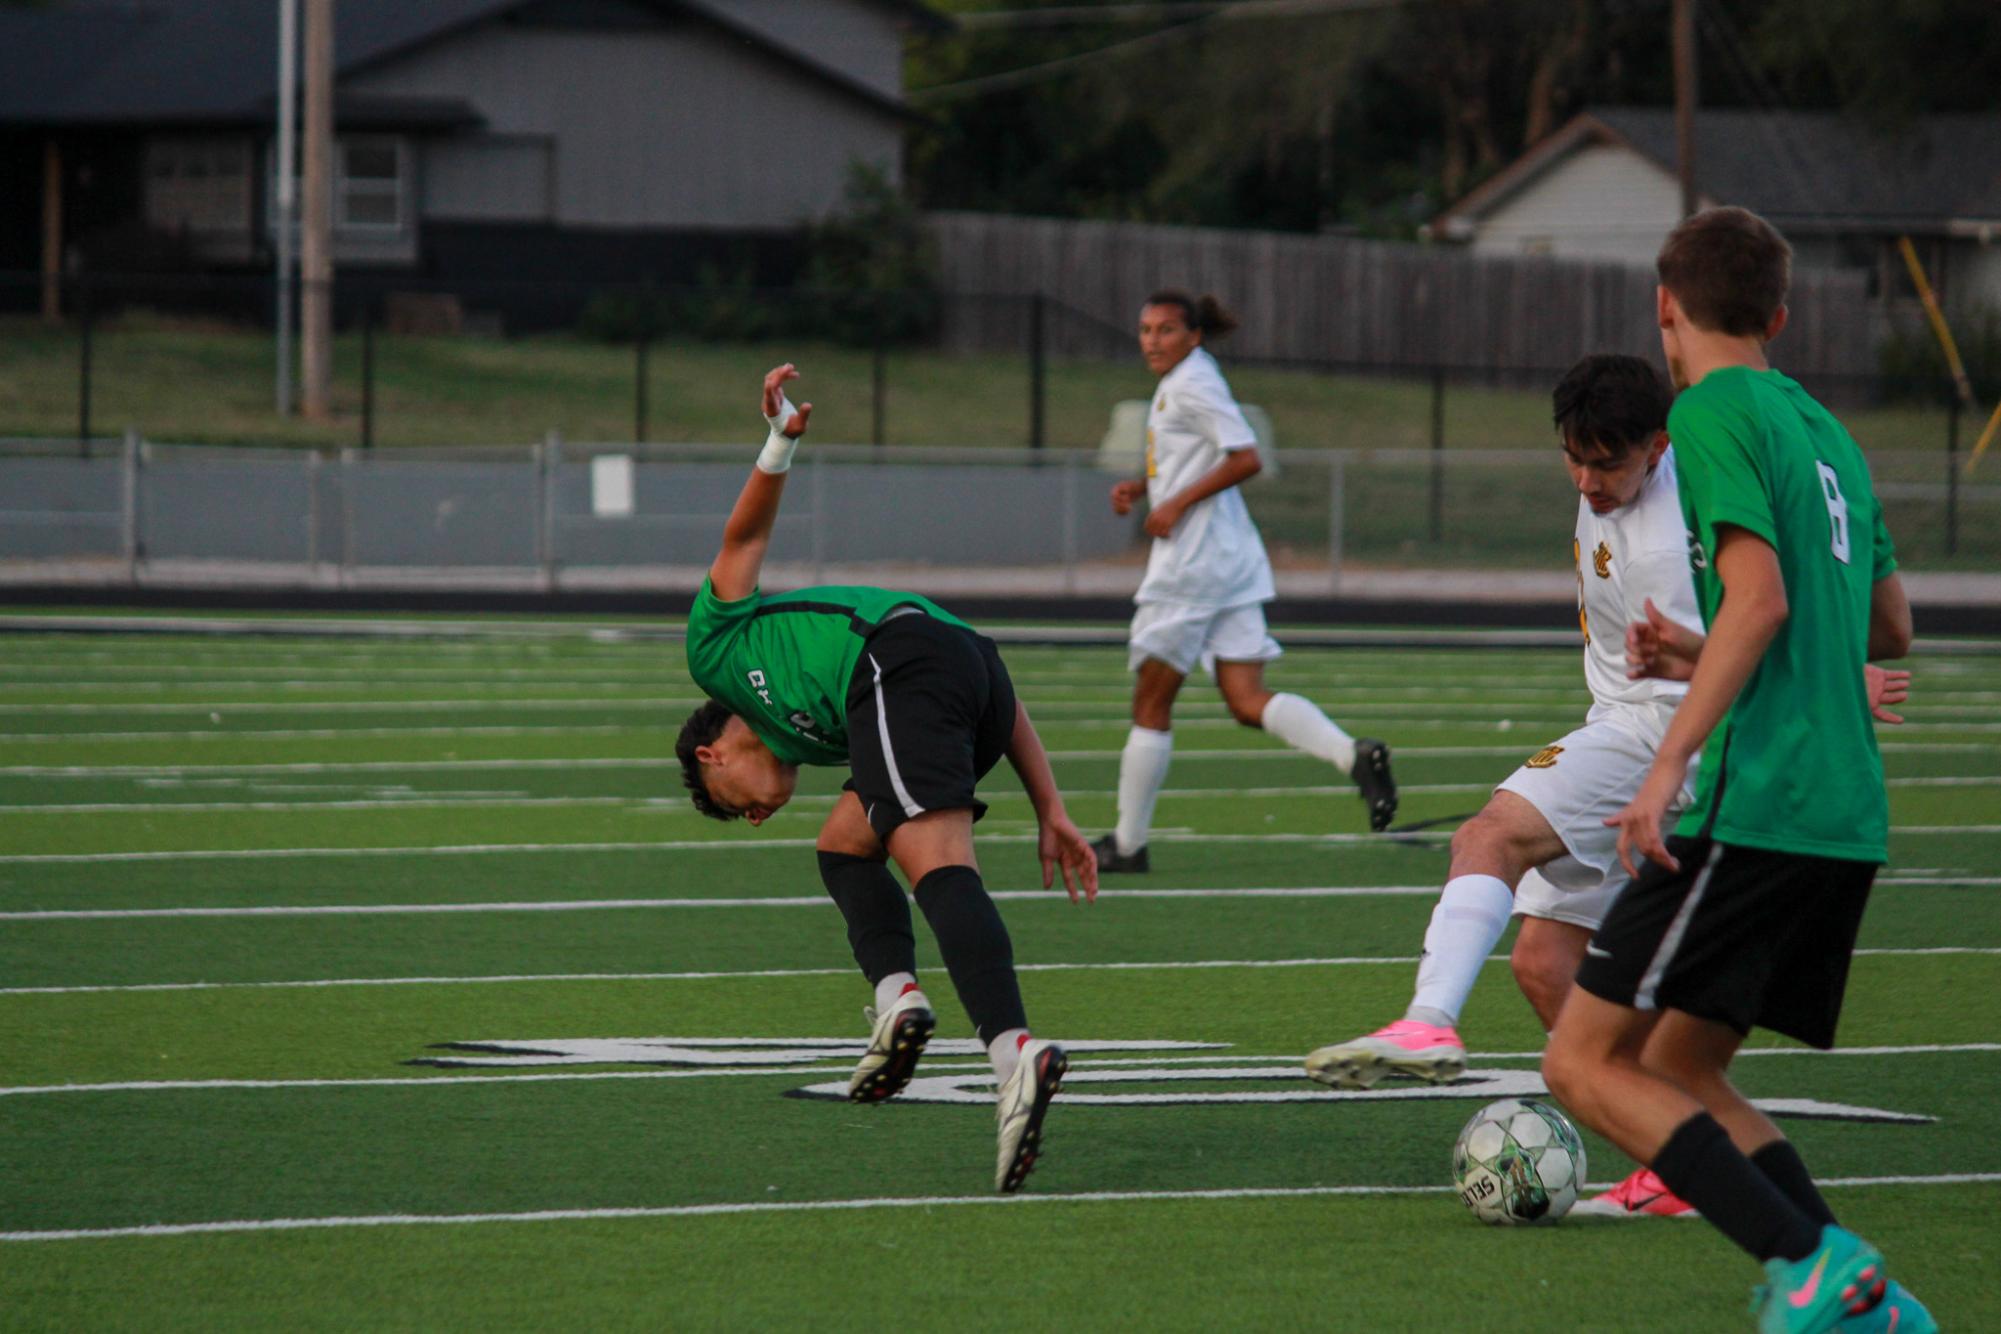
(1897, 1313)
(1814, 1294)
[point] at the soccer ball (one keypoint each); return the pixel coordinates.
(1518, 1161)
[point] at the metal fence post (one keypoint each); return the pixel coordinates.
(639, 374)
(1070, 483)
(879, 376)
(367, 375)
(546, 459)
(129, 521)
(819, 520)
(84, 326)
(313, 516)
(1036, 309)
(345, 569)
(1952, 477)
(1437, 452)
(1337, 465)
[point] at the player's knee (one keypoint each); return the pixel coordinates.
(1479, 838)
(1566, 1072)
(1543, 978)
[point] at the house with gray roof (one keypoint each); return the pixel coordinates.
(1605, 186)
(587, 140)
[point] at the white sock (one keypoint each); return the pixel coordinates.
(1142, 772)
(891, 987)
(1468, 922)
(1299, 723)
(1005, 1052)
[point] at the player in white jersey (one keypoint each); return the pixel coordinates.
(1207, 580)
(1541, 848)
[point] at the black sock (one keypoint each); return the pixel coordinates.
(1781, 1164)
(1700, 1164)
(975, 945)
(877, 913)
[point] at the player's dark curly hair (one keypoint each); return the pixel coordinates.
(704, 725)
(1204, 314)
(1611, 403)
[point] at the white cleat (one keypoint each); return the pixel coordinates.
(1024, 1098)
(1407, 1047)
(895, 1042)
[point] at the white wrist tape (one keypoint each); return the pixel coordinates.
(776, 457)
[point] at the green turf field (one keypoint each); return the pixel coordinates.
(252, 891)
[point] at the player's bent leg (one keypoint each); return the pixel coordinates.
(1490, 854)
(879, 932)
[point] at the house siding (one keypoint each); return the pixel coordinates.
(1603, 202)
(681, 127)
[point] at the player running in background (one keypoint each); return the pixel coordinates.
(1207, 580)
(919, 707)
(1541, 848)
(1747, 915)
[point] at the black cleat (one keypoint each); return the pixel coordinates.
(1372, 775)
(1112, 861)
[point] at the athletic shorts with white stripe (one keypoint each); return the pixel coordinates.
(1739, 936)
(930, 711)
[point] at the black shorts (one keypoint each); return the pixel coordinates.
(1738, 936)
(930, 711)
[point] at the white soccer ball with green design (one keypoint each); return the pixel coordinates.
(1518, 1161)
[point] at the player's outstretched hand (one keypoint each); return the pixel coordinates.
(1639, 824)
(1660, 647)
(775, 402)
(1061, 844)
(1886, 687)
(1125, 495)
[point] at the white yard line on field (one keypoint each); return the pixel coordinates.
(727, 975)
(740, 844)
(827, 1206)
(1181, 756)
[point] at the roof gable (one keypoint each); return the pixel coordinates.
(1806, 171)
(215, 60)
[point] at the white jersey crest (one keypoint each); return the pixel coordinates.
(1636, 552)
(1214, 556)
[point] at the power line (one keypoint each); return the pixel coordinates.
(1187, 26)
(1062, 16)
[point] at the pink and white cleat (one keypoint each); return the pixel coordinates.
(1641, 1195)
(1407, 1047)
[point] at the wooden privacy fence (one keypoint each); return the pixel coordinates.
(1340, 301)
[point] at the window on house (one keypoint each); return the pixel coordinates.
(371, 184)
(198, 185)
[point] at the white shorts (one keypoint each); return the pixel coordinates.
(1182, 635)
(1576, 783)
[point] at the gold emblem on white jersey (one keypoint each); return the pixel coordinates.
(1601, 561)
(1544, 758)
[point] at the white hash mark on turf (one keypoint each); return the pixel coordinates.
(815, 1206)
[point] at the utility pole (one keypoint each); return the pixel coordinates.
(1685, 93)
(316, 304)
(285, 196)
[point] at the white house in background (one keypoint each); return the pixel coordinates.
(1605, 187)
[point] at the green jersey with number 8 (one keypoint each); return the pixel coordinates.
(1793, 767)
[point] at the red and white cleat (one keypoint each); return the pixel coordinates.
(1641, 1195)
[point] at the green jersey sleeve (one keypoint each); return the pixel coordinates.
(1725, 481)
(713, 627)
(1886, 550)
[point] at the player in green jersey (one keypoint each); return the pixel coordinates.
(1747, 915)
(918, 707)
